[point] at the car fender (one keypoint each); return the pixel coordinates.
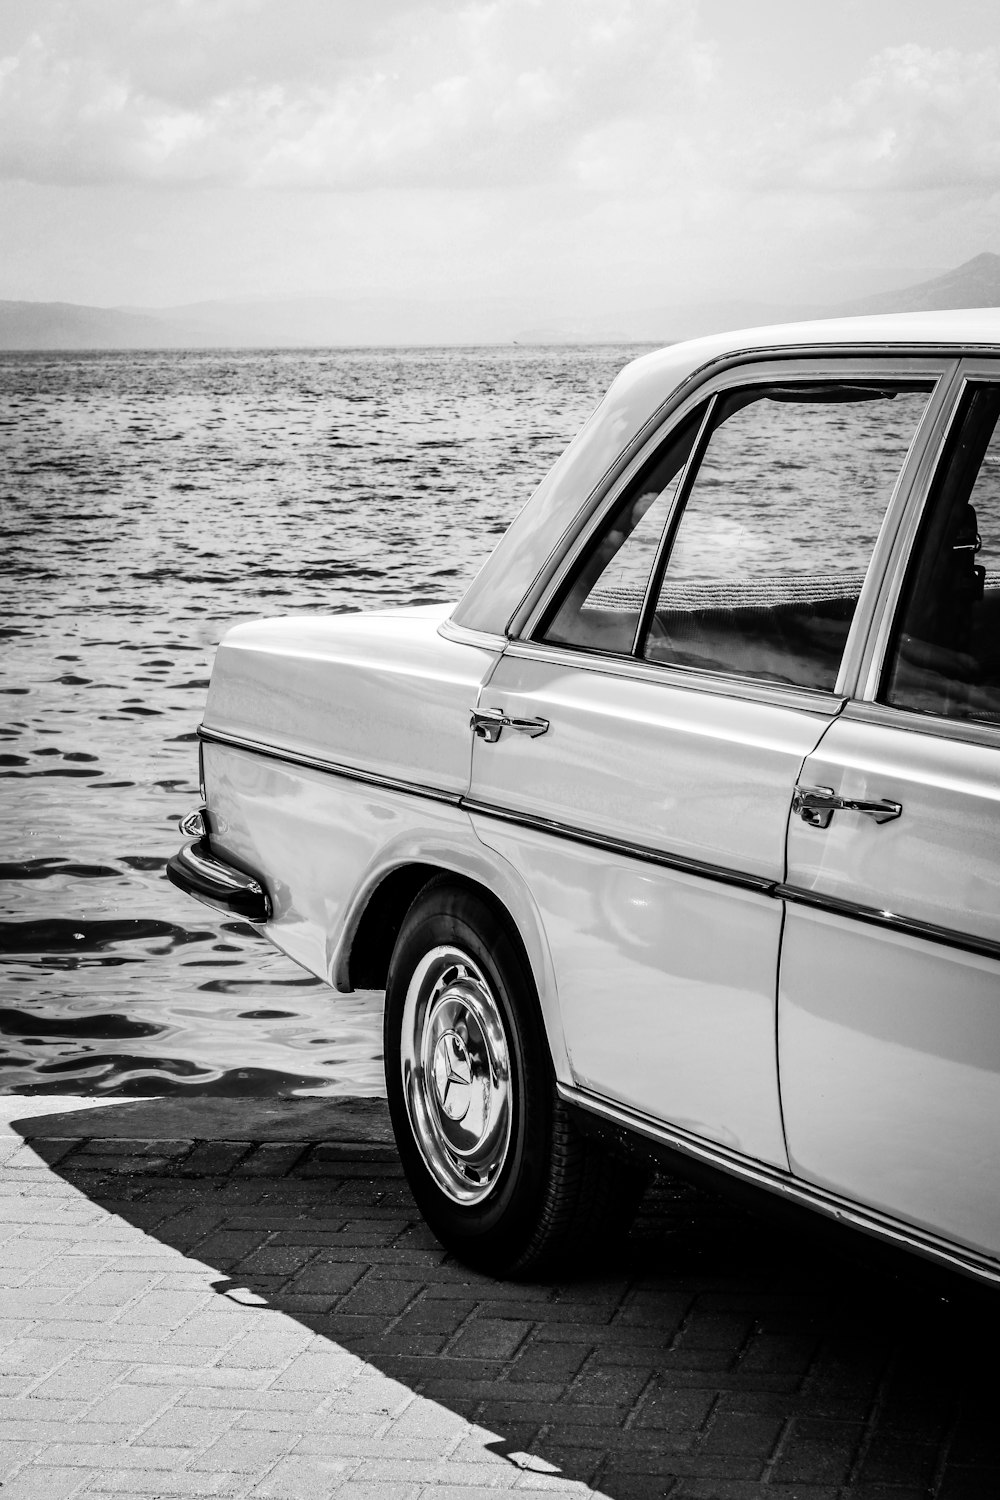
(475, 862)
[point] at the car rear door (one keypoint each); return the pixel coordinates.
(889, 1009)
(639, 746)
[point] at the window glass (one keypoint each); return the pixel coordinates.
(944, 657)
(763, 570)
(601, 606)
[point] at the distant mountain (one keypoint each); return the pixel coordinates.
(309, 322)
(66, 325)
(325, 322)
(975, 283)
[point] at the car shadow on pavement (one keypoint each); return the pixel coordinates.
(714, 1353)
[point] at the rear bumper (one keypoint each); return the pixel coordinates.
(202, 874)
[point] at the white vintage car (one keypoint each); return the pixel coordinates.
(682, 825)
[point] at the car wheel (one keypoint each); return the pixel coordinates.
(497, 1167)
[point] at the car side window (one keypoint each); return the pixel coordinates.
(944, 654)
(763, 570)
(764, 520)
(601, 606)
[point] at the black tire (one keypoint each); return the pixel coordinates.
(497, 1167)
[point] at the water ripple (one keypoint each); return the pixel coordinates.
(150, 501)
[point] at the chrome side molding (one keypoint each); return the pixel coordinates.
(774, 1180)
(333, 768)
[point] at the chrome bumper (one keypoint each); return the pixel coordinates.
(200, 873)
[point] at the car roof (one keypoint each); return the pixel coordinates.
(637, 395)
(969, 327)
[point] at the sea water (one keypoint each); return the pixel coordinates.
(148, 501)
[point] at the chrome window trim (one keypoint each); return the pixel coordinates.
(680, 397)
(868, 608)
(333, 768)
(890, 587)
(972, 731)
(689, 679)
(565, 557)
(795, 367)
(464, 635)
(668, 536)
(785, 1184)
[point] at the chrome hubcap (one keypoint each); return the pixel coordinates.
(456, 1074)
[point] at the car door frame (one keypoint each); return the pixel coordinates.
(902, 932)
(936, 367)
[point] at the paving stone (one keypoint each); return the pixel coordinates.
(370, 1427)
(79, 1379)
(94, 1455)
(489, 1338)
(34, 1408)
(243, 1451)
(272, 1259)
(114, 1146)
(261, 1348)
(817, 1452)
(252, 1401)
(44, 1482)
(310, 1479)
(384, 1298)
(340, 1444)
(215, 1323)
(201, 1376)
(165, 1309)
(329, 1370)
(25, 1252)
(671, 1410)
(367, 1170)
(615, 1385)
(743, 1433)
(226, 1249)
(701, 1489)
(15, 1429)
(55, 1149)
(34, 1356)
(891, 1459)
(114, 1288)
(324, 1276)
(786, 1355)
(130, 1403)
(645, 1380)
(94, 1333)
(181, 1427)
(16, 1451)
(272, 1158)
(162, 1483)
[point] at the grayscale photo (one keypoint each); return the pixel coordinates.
(499, 749)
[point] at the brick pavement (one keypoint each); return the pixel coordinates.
(269, 1318)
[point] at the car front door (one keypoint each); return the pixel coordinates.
(890, 970)
(638, 748)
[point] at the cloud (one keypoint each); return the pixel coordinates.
(917, 120)
(333, 94)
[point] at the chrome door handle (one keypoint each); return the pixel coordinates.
(489, 723)
(816, 805)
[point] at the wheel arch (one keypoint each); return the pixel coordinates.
(361, 959)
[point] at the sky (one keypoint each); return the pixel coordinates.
(577, 156)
